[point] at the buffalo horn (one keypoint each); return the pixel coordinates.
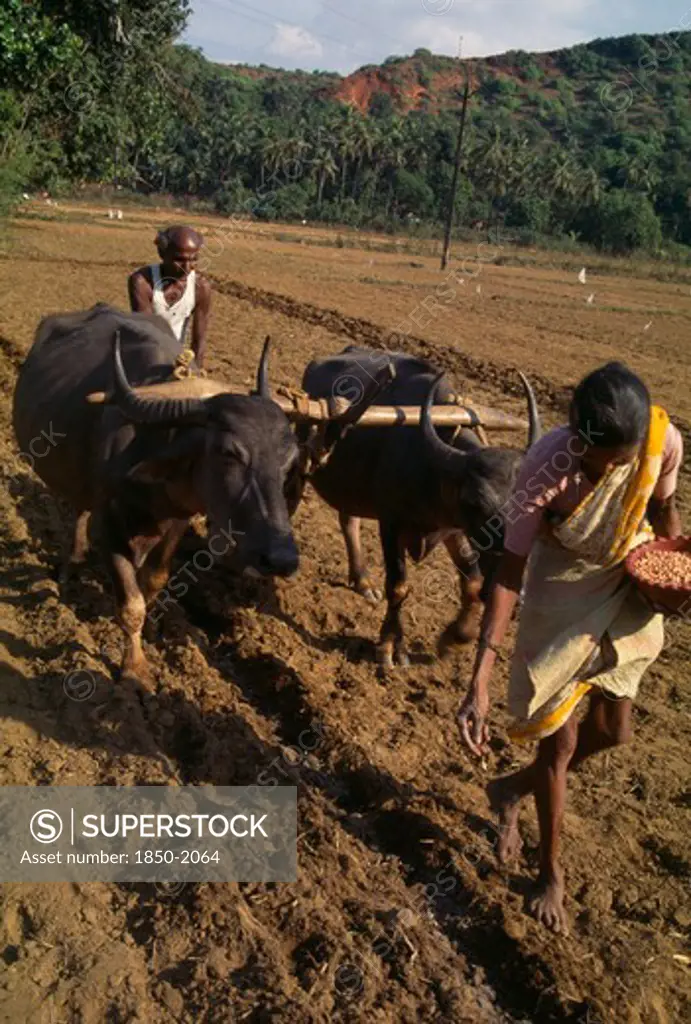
(443, 454)
(535, 428)
(263, 387)
(151, 410)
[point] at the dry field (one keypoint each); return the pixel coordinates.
(400, 913)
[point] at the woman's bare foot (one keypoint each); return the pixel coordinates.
(505, 801)
(548, 903)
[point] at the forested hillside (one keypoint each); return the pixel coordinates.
(592, 142)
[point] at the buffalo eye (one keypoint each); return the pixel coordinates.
(234, 451)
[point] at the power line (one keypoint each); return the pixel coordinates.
(241, 14)
(261, 16)
(363, 25)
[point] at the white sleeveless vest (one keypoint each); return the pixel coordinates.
(179, 313)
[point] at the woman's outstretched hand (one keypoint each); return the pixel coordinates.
(472, 714)
(472, 721)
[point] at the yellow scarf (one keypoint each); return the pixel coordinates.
(603, 528)
(641, 486)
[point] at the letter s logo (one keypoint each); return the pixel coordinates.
(46, 826)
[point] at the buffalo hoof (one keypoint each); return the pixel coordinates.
(390, 659)
(401, 659)
(366, 590)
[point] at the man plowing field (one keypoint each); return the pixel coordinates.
(588, 494)
(173, 289)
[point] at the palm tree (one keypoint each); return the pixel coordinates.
(345, 143)
(325, 166)
(295, 152)
(232, 145)
(263, 148)
(490, 162)
(520, 169)
(389, 156)
(560, 175)
(641, 176)
(590, 187)
(364, 143)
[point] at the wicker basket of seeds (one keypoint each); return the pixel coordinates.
(662, 571)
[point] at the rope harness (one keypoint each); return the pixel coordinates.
(183, 366)
(183, 370)
(314, 452)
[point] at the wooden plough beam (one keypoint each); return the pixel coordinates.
(301, 408)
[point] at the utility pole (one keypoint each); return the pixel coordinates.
(456, 169)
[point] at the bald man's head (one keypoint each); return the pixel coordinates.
(178, 248)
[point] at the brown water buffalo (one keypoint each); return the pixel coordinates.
(424, 487)
(148, 465)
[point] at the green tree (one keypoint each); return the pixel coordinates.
(623, 222)
(413, 195)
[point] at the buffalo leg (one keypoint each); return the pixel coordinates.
(130, 606)
(358, 575)
(130, 614)
(80, 545)
(391, 650)
(466, 627)
(155, 573)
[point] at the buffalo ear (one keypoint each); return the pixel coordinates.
(173, 461)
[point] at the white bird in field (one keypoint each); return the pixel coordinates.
(478, 289)
(581, 276)
(648, 325)
(119, 214)
(25, 195)
(110, 214)
(590, 299)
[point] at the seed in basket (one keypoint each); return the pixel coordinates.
(665, 569)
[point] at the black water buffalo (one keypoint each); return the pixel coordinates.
(148, 465)
(423, 486)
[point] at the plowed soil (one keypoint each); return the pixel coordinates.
(400, 913)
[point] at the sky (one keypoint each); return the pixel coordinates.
(342, 35)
